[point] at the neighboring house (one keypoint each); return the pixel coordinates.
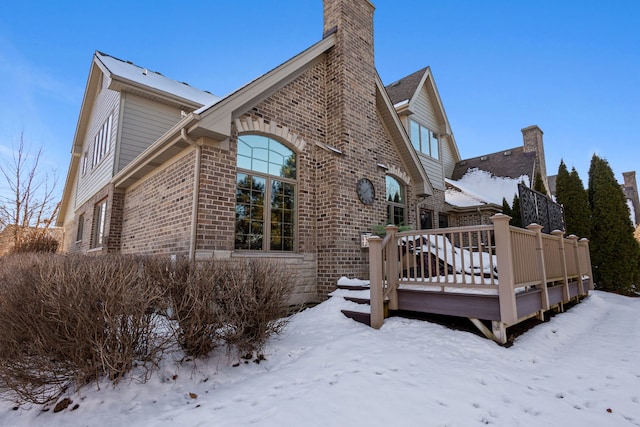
(294, 166)
(630, 188)
(6, 239)
(8, 235)
(526, 160)
(513, 164)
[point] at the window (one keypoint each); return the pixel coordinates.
(85, 161)
(99, 223)
(80, 229)
(426, 219)
(424, 140)
(443, 220)
(265, 195)
(101, 142)
(396, 204)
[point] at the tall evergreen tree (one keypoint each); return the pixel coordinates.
(614, 251)
(538, 185)
(516, 214)
(506, 209)
(571, 194)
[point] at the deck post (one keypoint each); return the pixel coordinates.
(541, 267)
(506, 274)
(375, 282)
(392, 267)
(499, 330)
(576, 254)
(584, 242)
(563, 261)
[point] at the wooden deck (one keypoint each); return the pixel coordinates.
(497, 273)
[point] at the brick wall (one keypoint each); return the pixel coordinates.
(156, 213)
(216, 210)
(351, 117)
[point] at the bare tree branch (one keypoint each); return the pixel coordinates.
(28, 197)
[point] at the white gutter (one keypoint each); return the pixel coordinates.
(196, 194)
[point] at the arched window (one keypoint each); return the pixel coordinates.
(265, 195)
(396, 202)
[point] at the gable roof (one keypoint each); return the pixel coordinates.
(126, 74)
(405, 88)
(512, 163)
(404, 94)
(212, 123)
(421, 183)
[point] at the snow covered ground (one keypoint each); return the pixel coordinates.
(579, 369)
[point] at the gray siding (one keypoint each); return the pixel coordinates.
(448, 157)
(143, 122)
(94, 178)
(434, 171)
(425, 113)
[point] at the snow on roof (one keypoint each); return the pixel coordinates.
(480, 187)
(134, 73)
(401, 103)
(455, 197)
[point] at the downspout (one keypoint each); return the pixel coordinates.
(196, 193)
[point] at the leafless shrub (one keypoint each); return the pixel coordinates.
(69, 319)
(192, 288)
(74, 319)
(36, 241)
(253, 294)
(238, 303)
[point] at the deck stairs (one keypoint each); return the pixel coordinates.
(357, 293)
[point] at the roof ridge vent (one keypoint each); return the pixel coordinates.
(507, 153)
(483, 158)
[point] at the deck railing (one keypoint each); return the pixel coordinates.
(497, 258)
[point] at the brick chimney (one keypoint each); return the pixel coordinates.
(532, 138)
(350, 70)
(631, 192)
(351, 124)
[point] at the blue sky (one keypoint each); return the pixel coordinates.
(572, 68)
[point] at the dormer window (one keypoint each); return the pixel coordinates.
(424, 140)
